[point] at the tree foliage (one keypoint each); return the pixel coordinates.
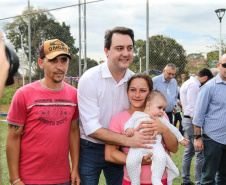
(213, 56)
(43, 27)
(193, 67)
(195, 62)
(163, 50)
(195, 56)
(90, 63)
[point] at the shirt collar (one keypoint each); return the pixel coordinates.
(126, 76)
(107, 74)
(105, 71)
(196, 80)
(162, 78)
(219, 79)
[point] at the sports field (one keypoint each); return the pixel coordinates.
(177, 158)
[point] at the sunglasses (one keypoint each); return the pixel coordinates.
(223, 65)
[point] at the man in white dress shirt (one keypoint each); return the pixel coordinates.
(102, 93)
(188, 94)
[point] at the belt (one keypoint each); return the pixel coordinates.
(187, 116)
(169, 112)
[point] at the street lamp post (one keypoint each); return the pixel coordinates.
(220, 14)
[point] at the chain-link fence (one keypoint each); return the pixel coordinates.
(184, 33)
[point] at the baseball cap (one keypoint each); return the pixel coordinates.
(53, 48)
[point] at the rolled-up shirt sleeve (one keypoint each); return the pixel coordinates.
(89, 110)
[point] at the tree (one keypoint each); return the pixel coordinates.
(90, 63)
(135, 66)
(163, 50)
(101, 61)
(195, 56)
(193, 67)
(43, 27)
(212, 56)
(195, 62)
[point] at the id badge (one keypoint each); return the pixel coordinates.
(167, 91)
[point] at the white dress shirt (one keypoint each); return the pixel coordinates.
(99, 98)
(188, 95)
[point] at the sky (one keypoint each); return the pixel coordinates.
(193, 24)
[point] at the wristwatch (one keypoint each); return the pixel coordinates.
(196, 136)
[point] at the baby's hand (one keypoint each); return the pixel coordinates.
(129, 132)
(184, 142)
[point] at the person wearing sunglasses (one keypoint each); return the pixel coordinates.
(222, 64)
(210, 127)
(168, 86)
(188, 94)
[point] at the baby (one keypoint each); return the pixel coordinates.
(155, 106)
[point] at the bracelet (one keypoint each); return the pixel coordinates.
(15, 181)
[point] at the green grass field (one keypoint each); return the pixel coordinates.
(177, 158)
(4, 169)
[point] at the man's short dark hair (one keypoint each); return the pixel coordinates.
(205, 72)
(120, 30)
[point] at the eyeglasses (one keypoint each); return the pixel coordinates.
(171, 74)
(223, 65)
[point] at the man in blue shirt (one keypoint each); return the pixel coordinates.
(168, 86)
(210, 121)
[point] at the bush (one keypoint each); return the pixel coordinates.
(8, 94)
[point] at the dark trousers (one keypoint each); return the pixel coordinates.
(177, 117)
(214, 162)
(92, 162)
(170, 116)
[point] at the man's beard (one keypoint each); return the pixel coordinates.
(58, 81)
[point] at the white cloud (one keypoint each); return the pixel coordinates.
(191, 23)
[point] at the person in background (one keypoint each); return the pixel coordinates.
(215, 71)
(183, 76)
(177, 113)
(43, 125)
(188, 94)
(168, 86)
(210, 127)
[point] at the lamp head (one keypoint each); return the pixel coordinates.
(220, 13)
